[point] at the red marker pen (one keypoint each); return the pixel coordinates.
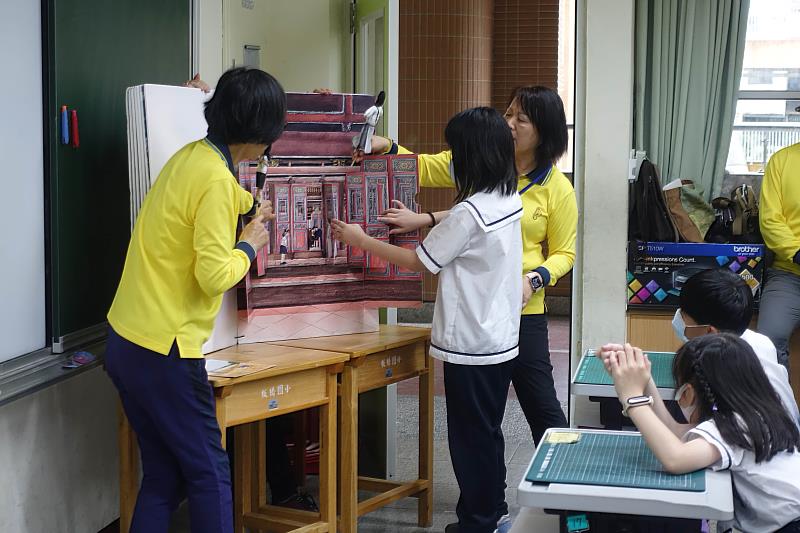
(74, 139)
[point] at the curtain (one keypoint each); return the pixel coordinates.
(688, 65)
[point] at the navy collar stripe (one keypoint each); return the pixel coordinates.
(223, 150)
(487, 224)
(536, 179)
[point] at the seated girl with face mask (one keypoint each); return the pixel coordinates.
(736, 424)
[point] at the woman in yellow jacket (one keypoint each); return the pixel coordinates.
(182, 257)
(539, 128)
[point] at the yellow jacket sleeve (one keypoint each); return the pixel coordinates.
(776, 230)
(218, 266)
(562, 231)
(246, 201)
(434, 169)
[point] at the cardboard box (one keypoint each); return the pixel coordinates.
(658, 270)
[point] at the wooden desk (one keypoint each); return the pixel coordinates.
(376, 360)
(301, 379)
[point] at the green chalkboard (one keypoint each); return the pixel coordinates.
(96, 49)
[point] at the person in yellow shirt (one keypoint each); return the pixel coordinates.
(779, 218)
(182, 257)
(539, 128)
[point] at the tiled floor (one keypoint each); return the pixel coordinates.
(401, 516)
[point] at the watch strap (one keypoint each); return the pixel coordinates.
(635, 401)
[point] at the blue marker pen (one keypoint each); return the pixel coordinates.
(64, 125)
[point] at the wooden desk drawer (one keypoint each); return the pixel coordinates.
(384, 368)
(257, 400)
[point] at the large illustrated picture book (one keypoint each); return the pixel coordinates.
(310, 181)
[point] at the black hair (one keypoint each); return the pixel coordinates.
(733, 390)
(719, 298)
(546, 111)
(483, 152)
(248, 106)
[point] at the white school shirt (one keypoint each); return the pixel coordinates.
(776, 372)
(477, 252)
(766, 495)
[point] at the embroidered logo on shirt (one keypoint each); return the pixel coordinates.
(538, 213)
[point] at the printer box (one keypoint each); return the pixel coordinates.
(658, 270)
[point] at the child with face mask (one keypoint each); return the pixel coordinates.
(736, 423)
(718, 300)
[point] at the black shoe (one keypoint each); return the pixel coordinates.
(302, 502)
(451, 528)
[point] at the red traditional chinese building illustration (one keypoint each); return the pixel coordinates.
(311, 181)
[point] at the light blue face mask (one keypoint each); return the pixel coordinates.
(679, 326)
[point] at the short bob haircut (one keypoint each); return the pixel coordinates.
(483, 152)
(248, 107)
(719, 298)
(546, 111)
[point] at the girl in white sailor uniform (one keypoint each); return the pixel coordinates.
(476, 251)
(737, 423)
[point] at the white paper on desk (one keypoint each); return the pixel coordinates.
(212, 365)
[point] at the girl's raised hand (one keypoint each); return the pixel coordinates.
(351, 234)
(630, 370)
(402, 218)
(606, 351)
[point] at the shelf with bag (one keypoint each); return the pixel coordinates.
(674, 233)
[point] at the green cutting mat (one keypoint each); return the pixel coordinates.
(617, 460)
(592, 372)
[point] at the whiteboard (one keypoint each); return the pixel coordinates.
(22, 231)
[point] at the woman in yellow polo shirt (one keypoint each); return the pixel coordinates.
(779, 216)
(538, 124)
(182, 257)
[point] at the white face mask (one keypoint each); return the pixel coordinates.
(687, 411)
(679, 326)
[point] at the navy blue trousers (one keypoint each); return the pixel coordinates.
(170, 405)
(533, 378)
(476, 400)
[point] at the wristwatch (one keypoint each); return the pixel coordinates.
(535, 281)
(636, 401)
